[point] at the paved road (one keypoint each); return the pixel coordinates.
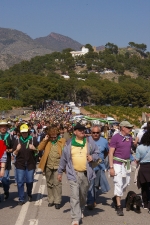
(38, 213)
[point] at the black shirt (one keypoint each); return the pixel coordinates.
(25, 157)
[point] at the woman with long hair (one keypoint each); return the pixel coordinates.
(143, 179)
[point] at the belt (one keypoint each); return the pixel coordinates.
(85, 172)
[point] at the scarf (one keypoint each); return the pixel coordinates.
(26, 140)
(126, 137)
(76, 144)
(54, 142)
(6, 135)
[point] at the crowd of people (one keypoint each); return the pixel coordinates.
(52, 141)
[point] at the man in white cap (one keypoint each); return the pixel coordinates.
(119, 161)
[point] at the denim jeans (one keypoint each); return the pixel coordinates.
(5, 181)
(91, 195)
(21, 175)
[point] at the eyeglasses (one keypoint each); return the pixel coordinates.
(53, 137)
(95, 132)
(129, 128)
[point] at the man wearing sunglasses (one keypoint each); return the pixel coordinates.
(77, 159)
(119, 162)
(100, 180)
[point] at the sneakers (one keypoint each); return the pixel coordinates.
(145, 205)
(20, 203)
(114, 202)
(119, 211)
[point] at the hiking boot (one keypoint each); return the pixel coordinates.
(114, 202)
(50, 204)
(90, 206)
(120, 211)
(57, 206)
(6, 195)
(30, 198)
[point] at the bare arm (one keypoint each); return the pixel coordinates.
(2, 169)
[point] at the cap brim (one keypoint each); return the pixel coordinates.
(24, 130)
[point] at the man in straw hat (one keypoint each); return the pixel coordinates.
(9, 141)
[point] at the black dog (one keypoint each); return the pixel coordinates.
(131, 200)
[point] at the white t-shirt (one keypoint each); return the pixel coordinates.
(140, 134)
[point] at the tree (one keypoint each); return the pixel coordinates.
(89, 47)
(111, 48)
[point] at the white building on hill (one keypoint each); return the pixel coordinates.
(78, 53)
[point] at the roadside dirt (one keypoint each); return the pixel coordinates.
(23, 113)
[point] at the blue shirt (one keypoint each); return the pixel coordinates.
(102, 145)
(143, 153)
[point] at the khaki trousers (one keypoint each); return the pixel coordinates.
(54, 187)
(78, 195)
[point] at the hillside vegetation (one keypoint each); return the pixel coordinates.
(133, 115)
(39, 79)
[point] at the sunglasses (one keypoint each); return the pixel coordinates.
(95, 132)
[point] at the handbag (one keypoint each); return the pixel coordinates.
(96, 163)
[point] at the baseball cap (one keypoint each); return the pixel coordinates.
(125, 124)
(24, 128)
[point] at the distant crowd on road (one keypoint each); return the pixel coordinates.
(58, 144)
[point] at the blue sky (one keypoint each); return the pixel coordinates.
(87, 21)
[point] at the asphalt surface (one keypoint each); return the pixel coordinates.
(37, 212)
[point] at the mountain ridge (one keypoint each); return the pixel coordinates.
(16, 46)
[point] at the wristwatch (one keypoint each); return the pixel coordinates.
(111, 167)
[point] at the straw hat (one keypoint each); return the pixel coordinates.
(3, 122)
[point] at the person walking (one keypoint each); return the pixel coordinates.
(52, 145)
(3, 160)
(77, 158)
(119, 161)
(100, 180)
(143, 178)
(24, 150)
(9, 142)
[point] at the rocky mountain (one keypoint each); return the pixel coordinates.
(16, 46)
(58, 42)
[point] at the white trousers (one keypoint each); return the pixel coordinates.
(121, 179)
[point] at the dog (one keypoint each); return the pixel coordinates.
(131, 200)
